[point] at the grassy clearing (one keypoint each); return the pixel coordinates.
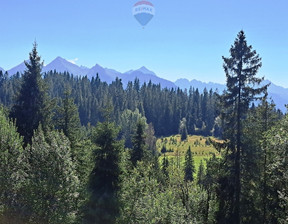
(175, 148)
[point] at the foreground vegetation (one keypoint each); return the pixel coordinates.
(63, 162)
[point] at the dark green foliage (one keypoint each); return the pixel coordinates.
(275, 143)
(12, 174)
(201, 174)
(127, 122)
(52, 189)
(162, 107)
(163, 149)
(68, 118)
(104, 181)
(165, 165)
(210, 185)
(32, 106)
(242, 88)
(254, 161)
(82, 157)
(139, 149)
(189, 166)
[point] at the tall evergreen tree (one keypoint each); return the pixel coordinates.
(68, 118)
(254, 161)
(201, 174)
(104, 184)
(139, 145)
(189, 168)
(242, 87)
(32, 105)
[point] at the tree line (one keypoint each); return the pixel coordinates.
(74, 150)
(161, 106)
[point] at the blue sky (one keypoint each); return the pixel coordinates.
(185, 39)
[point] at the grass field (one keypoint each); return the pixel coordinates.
(175, 148)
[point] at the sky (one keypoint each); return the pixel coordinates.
(185, 39)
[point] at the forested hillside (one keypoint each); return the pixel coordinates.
(164, 108)
(75, 150)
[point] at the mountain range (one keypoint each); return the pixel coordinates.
(277, 93)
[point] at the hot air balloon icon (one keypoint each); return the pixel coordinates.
(143, 12)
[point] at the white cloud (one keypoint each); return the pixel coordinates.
(73, 61)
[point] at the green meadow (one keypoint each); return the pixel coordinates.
(175, 149)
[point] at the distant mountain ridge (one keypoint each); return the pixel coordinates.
(277, 93)
(61, 65)
(19, 68)
(107, 75)
(186, 84)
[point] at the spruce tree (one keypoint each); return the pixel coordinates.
(139, 145)
(242, 88)
(189, 166)
(201, 174)
(254, 161)
(68, 118)
(104, 183)
(32, 106)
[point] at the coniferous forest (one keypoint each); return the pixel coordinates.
(74, 150)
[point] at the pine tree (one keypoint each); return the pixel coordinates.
(32, 106)
(242, 87)
(189, 166)
(104, 184)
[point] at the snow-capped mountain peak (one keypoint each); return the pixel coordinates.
(62, 65)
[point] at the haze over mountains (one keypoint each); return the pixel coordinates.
(277, 93)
